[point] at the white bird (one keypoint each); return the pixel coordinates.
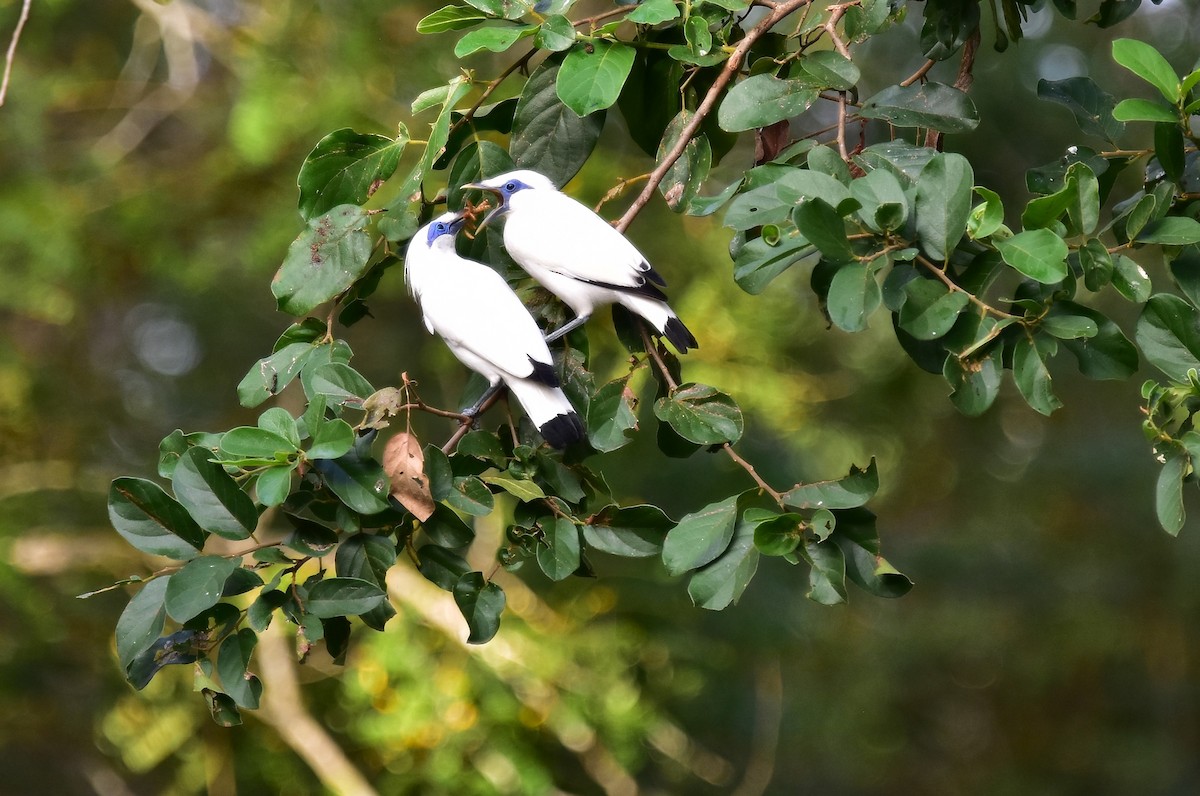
(487, 327)
(577, 255)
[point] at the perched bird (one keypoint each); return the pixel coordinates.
(577, 255)
(487, 327)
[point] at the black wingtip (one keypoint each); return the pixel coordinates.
(562, 430)
(543, 373)
(678, 334)
(652, 275)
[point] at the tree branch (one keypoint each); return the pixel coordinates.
(11, 55)
(778, 12)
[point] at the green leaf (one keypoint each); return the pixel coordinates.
(1171, 231)
(782, 189)
(495, 39)
(987, 217)
(1097, 264)
(629, 531)
(854, 294)
(652, 12)
(1091, 105)
(340, 384)
(682, 182)
(222, 707)
(546, 134)
(177, 648)
(931, 105)
(142, 621)
(830, 69)
(701, 414)
(1168, 493)
(757, 262)
(701, 536)
(824, 228)
(722, 582)
(1130, 279)
(776, 534)
(343, 597)
(333, 439)
(356, 479)
(151, 520)
(1148, 64)
(698, 36)
(505, 9)
(470, 496)
(271, 374)
(212, 497)
(481, 603)
(975, 383)
(248, 442)
(345, 168)
(1141, 110)
(1169, 149)
(558, 556)
(197, 586)
(1070, 327)
(1032, 377)
(1107, 354)
(556, 34)
(177, 443)
(233, 659)
(943, 203)
(522, 489)
(259, 614)
(324, 260)
(1038, 254)
(611, 415)
(859, 542)
(1084, 208)
(762, 100)
(368, 558)
(930, 308)
(1168, 334)
(853, 490)
(450, 18)
(827, 577)
(445, 529)
(884, 205)
(592, 75)
(441, 566)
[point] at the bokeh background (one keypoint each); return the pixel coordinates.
(148, 155)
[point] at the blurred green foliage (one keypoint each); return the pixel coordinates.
(1050, 646)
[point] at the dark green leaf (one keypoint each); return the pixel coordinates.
(853, 490)
(470, 496)
(1091, 105)
(441, 566)
(324, 260)
(445, 529)
(1032, 377)
(762, 100)
(931, 105)
(258, 615)
(481, 603)
(1097, 264)
(1168, 333)
(884, 207)
(177, 648)
(592, 75)
(701, 536)
(824, 228)
(784, 188)
(212, 497)
(177, 443)
(830, 69)
(975, 383)
(930, 308)
(611, 415)
(1169, 149)
(558, 555)
(775, 534)
(722, 582)
(340, 384)
(1168, 493)
(701, 414)
(682, 182)
(344, 168)
(1038, 254)
(758, 262)
(333, 439)
(477, 161)
(197, 586)
(1107, 354)
(546, 134)
(142, 621)
(859, 542)
(827, 578)
(151, 520)
(1130, 279)
(343, 597)
(630, 531)
(271, 374)
(356, 479)
(854, 294)
(943, 203)
(1171, 231)
(232, 662)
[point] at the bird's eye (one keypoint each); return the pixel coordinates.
(440, 227)
(512, 186)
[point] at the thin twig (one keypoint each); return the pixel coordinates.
(11, 55)
(618, 189)
(917, 75)
(465, 425)
(732, 65)
(492, 85)
(948, 282)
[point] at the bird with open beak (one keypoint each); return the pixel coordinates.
(487, 328)
(577, 255)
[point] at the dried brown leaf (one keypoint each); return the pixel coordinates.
(405, 465)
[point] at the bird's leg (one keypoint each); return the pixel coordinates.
(472, 410)
(566, 328)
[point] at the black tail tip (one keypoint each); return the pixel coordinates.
(679, 336)
(562, 430)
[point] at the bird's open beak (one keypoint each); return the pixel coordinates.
(498, 210)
